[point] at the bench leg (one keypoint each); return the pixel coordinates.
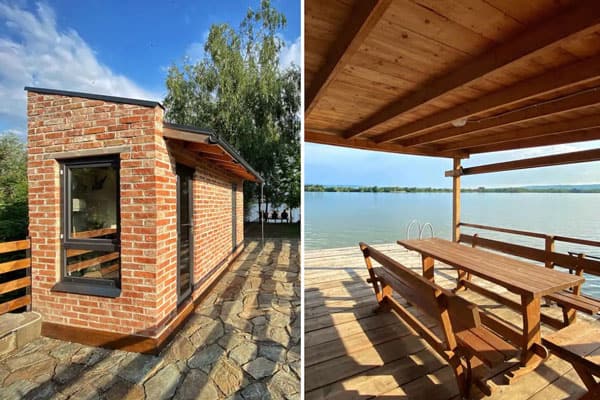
(569, 315)
(462, 276)
(427, 264)
(384, 306)
(463, 376)
(586, 377)
(532, 351)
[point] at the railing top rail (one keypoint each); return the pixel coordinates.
(9, 247)
(585, 242)
(505, 230)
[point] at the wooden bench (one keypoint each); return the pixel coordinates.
(470, 349)
(579, 344)
(569, 300)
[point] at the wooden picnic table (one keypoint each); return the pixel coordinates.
(529, 281)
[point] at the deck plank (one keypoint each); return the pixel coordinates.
(352, 353)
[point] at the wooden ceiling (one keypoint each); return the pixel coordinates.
(451, 78)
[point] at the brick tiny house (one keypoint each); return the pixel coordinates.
(131, 219)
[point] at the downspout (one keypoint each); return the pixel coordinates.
(262, 220)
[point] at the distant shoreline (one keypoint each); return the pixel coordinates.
(399, 189)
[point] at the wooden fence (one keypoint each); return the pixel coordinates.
(8, 300)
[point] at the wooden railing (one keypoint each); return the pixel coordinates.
(574, 261)
(8, 300)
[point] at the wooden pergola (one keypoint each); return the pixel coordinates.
(454, 78)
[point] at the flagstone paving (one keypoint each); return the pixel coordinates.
(242, 342)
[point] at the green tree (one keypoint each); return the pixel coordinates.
(241, 91)
(13, 188)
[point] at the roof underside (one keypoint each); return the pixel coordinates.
(205, 144)
(451, 78)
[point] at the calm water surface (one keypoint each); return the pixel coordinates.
(344, 219)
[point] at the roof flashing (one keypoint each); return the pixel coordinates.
(94, 96)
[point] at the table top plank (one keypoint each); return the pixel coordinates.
(517, 276)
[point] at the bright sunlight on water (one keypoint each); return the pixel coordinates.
(343, 219)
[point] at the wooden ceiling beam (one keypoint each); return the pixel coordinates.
(559, 78)
(366, 144)
(580, 16)
(584, 99)
(536, 162)
(538, 131)
(559, 138)
(364, 16)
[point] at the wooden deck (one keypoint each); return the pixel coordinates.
(350, 353)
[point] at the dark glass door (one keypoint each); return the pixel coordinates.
(185, 256)
(234, 216)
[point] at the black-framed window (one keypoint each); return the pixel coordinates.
(90, 229)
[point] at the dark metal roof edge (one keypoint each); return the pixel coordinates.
(93, 96)
(216, 139)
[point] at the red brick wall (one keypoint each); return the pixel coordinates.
(148, 212)
(213, 218)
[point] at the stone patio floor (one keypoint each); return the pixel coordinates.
(242, 342)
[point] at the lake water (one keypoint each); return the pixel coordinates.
(343, 219)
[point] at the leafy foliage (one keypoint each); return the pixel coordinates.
(13, 188)
(240, 90)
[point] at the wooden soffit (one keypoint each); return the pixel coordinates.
(191, 144)
(451, 78)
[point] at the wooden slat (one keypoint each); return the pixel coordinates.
(581, 16)
(77, 252)
(531, 253)
(365, 144)
(586, 98)
(8, 247)
(15, 265)
(504, 230)
(519, 135)
(14, 285)
(536, 162)
(547, 140)
(484, 351)
(91, 262)
(556, 79)
(15, 304)
(93, 233)
(364, 16)
(576, 343)
(575, 301)
(585, 242)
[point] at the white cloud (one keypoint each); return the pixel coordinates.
(291, 53)
(35, 52)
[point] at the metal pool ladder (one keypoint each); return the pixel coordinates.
(420, 227)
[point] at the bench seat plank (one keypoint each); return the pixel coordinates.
(578, 302)
(579, 342)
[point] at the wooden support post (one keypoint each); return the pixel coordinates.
(549, 251)
(456, 200)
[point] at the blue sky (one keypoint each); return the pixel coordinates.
(120, 48)
(329, 165)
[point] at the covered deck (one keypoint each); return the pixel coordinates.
(449, 79)
(352, 353)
